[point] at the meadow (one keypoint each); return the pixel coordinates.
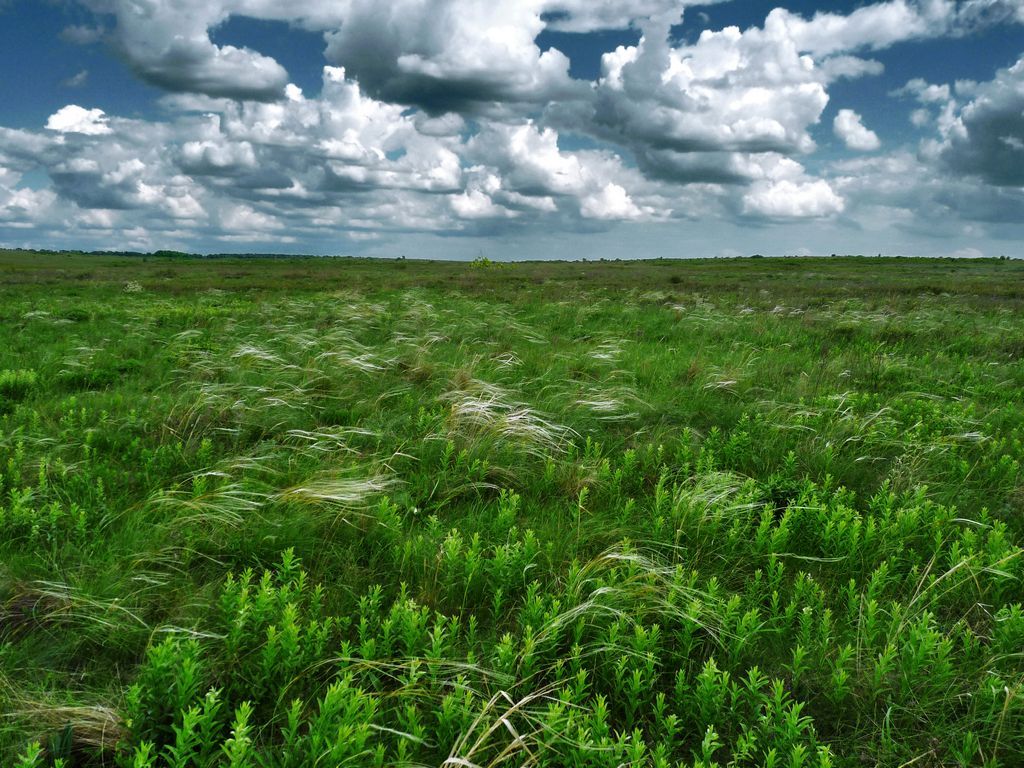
(337, 512)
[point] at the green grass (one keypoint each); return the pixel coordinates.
(286, 513)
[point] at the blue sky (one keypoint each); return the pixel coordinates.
(521, 129)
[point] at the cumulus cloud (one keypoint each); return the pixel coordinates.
(168, 45)
(703, 112)
(611, 202)
(342, 161)
(848, 127)
(120, 185)
(747, 91)
(201, 158)
(198, 65)
(874, 26)
(792, 199)
(244, 218)
(530, 159)
(718, 167)
(918, 195)
(985, 137)
(849, 67)
(477, 204)
(76, 119)
(924, 92)
(684, 108)
(23, 208)
(591, 15)
(526, 169)
(468, 54)
(449, 118)
(448, 56)
(881, 25)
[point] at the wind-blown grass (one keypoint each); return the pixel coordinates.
(666, 514)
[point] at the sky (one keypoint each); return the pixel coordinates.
(513, 129)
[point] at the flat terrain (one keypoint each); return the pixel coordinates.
(325, 512)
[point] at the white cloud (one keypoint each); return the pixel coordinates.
(76, 119)
(168, 45)
(718, 167)
(920, 118)
(243, 218)
(919, 195)
(924, 92)
(181, 204)
(731, 90)
(611, 202)
(530, 158)
(985, 137)
(25, 207)
(792, 199)
(448, 124)
(476, 204)
(524, 168)
(848, 127)
(217, 157)
(97, 219)
(839, 67)
(718, 126)
(469, 54)
(700, 112)
(875, 26)
(591, 15)
(77, 80)
(450, 56)
(881, 25)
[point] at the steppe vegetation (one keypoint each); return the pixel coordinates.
(329, 513)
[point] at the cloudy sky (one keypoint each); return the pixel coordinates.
(513, 128)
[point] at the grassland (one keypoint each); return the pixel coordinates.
(349, 513)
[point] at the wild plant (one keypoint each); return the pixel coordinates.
(565, 526)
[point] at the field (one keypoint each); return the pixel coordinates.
(289, 513)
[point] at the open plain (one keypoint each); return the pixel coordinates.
(326, 512)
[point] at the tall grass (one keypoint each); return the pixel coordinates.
(569, 524)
